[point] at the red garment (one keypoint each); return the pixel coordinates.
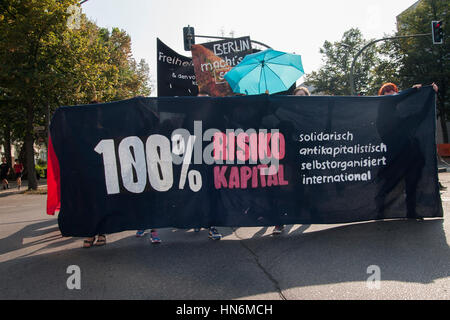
(53, 181)
(18, 168)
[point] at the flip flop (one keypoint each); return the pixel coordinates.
(101, 240)
(88, 243)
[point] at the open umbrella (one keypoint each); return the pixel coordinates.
(268, 70)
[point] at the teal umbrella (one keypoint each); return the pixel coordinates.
(268, 70)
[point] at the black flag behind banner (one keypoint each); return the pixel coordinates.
(176, 76)
(245, 161)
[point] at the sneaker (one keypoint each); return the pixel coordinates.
(278, 229)
(140, 233)
(154, 237)
(214, 234)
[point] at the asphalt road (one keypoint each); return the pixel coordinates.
(306, 262)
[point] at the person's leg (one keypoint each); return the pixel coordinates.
(5, 183)
(88, 242)
(214, 234)
(140, 233)
(101, 240)
(19, 181)
(154, 236)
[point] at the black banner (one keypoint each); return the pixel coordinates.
(245, 161)
(176, 75)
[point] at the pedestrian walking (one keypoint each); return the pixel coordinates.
(18, 171)
(4, 171)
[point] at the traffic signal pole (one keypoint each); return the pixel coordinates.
(352, 69)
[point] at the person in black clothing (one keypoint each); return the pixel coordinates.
(389, 122)
(4, 171)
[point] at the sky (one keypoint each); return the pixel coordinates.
(294, 26)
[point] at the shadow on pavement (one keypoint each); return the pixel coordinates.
(46, 231)
(405, 251)
(189, 266)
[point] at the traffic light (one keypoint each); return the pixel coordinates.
(437, 32)
(188, 37)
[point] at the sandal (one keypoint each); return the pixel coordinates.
(101, 240)
(89, 242)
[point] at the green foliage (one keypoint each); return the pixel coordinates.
(409, 61)
(45, 64)
(40, 170)
(421, 61)
(333, 78)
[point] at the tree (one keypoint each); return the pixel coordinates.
(132, 78)
(27, 29)
(44, 64)
(333, 78)
(421, 61)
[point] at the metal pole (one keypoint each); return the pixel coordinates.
(352, 79)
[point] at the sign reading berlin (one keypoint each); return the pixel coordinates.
(212, 60)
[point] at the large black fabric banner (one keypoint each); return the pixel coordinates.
(245, 161)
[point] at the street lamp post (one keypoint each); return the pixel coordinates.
(349, 47)
(352, 69)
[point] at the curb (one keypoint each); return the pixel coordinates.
(6, 193)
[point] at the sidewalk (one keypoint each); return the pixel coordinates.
(14, 190)
(443, 164)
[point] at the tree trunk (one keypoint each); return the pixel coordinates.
(7, 146)
(29, 150)
(47, 125)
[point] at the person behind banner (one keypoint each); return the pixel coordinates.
(390, 88)
(213, 232)
(408, 164)
(299, 91)
(18, 170)
(436, 89)
(4, 171)
(101, 238)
